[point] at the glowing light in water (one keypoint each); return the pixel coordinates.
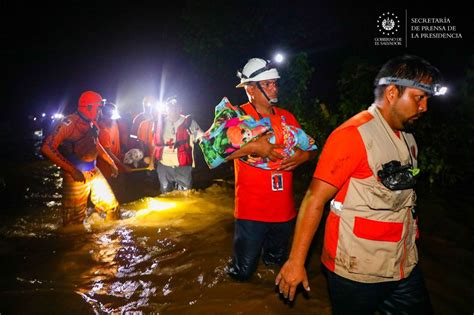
(102, 193)
(154, 205)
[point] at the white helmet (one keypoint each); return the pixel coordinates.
(257, 69)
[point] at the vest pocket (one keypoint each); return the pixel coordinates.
(378, 230)
(380, 197)
(374, 247)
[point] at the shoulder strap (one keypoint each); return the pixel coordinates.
(250, 109)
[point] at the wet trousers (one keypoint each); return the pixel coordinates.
(76, 195)
(174, 178)
(406, 296)
(253, 239)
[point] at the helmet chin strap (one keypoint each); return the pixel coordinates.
(272, 101)
(83, 116)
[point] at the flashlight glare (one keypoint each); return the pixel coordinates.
(115, 114)
(155, 205)
(57, 116)
(442, 90)
(279, 58)
(160, 107)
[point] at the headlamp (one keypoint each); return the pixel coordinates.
(172, 100)
(115, 114)
(111, 111)
(432, 89)
(279, 58)
(57, 116)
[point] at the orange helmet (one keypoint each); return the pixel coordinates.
(89, 103)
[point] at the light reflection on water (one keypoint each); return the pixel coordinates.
(167, 255)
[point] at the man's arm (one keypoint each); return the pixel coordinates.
(151, 155)
(117, 161)
(195, 131)
(261, 147)
(106, 142)
(298, 158)
(50, 150)
(106, 157)
(293, 271)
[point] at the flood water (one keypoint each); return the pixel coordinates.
(166, 256)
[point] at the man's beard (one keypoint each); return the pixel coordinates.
(409, 127)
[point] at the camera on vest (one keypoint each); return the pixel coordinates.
(394, 176)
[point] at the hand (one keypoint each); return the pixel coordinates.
(151, 166)
(127, 169)
(292, 162)
(289, 277)
(78, 176)
(253, 159)
(265, 149)
(114, 170)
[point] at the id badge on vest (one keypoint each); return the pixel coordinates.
(277, 181)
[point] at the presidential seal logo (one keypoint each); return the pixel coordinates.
(388, 23)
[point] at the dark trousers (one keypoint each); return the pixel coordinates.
(406, 296)
(253, 239)
(174, 178)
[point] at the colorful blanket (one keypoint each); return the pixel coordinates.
(232, 129)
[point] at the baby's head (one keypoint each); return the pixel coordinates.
(239, 136)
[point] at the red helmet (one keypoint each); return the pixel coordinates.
(89, 104)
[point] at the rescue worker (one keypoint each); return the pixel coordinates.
(367, 168)
(264, 205)
(74, 147)
(148, 104)
(124, 125)
(146, 130)
(172, 148)
(109, 138)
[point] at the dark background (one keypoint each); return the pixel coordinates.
(52, 52)
(124, 50)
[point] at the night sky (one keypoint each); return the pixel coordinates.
(124, 50)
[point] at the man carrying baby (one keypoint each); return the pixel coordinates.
(264, 205)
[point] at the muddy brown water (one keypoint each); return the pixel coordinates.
(166, 256)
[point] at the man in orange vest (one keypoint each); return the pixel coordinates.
(74, 147)
(264, 206)
(368, 167)
(109, 138)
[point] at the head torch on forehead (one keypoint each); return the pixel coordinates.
(432, 89)
(172, 101)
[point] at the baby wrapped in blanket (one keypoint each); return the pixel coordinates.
(232, 129)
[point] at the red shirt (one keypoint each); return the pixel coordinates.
(254, 197)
